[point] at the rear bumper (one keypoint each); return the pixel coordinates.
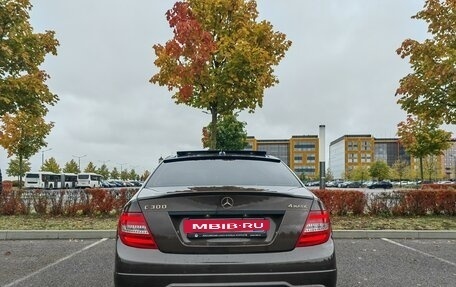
(305, 266)
(325, 278)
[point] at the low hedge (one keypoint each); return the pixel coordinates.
(97, 201)
(91, 201)
(449, 186)
(407, 202)
(343, 202)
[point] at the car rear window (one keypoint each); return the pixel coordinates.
(222, 172)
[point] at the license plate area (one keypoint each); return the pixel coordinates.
(226, 228)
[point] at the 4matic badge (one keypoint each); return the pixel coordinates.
(297, 206)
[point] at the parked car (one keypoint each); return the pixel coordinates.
(354, 184)
(117, 183)
(105, 183)
(209, 218)
(128, 184)
(343, 184)
(334, 183)
(313, 183)
(330, 183)
(380, 184)
(135, 183)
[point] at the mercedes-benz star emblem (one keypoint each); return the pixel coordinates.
(227, 202)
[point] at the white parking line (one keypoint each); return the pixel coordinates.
(420, 252)
(55, 263)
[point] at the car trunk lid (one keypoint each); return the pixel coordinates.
(225, 219)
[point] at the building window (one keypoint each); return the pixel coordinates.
(279, 150)
(305, 169)
(352, 145)
(311, 158)
(352, 157)
(298, 159)
(366, 157)
(302, 146)
(366, 145)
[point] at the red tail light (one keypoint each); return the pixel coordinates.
(317, 229)
(133, 231)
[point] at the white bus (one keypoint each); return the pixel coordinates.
(42, 179)
(68, 180)
(89, 180)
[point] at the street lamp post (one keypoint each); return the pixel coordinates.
(134, 166)
(121, 165)
(322, 155)
(104, 161)
(79, 160)
(42, 156)
(454, 166)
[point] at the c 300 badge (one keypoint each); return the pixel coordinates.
(155, 206)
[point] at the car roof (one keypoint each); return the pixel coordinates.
(219, 154)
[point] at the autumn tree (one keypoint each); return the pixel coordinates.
(329, 175)
(430, 90)
(422, 138)
(412, 173)
(71, 167)
(23, 135)
(51, 165)
(115, 174)
(359, 173)
(90, 168)
(145, 175)
(103, 171)
(15, 170)
(379, 170)
(231, 134)
(22, 83)
(431, 168)
(221, 57)
(399, 170)
(124, 175)
(132, 174)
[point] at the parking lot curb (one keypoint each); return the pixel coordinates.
(395, 234)
(55, 234)
(337, 234)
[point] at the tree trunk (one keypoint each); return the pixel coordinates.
(421, 169)
(213, 130)
(20, 171)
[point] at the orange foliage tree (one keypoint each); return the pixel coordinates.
(430, 90)
(220, 59)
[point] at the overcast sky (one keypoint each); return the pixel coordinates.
(341, 71)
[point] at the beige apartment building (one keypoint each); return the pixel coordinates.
(351, 151)
(300, 152)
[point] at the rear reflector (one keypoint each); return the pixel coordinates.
(317, 229)
(133, 231)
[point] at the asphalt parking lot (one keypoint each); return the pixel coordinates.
(361, 262)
